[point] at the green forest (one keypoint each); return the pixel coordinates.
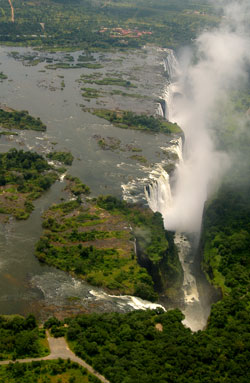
(64, 24)
(20, 338)
(154, 346)
(49, 371)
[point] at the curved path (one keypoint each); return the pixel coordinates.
(60, 349)
(12, 11)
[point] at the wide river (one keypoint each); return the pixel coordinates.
(25, 284)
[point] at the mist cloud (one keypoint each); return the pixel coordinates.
(220, 66)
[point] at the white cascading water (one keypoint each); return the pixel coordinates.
(158, 193)
(171, 90)
(194, 98)
(160, 110)
(217, 67)
(171, 66)
(159, 198)
(175, 148)
(172, 69)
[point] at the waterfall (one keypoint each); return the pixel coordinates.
(159, 197)
(170, 93)
(172, 69)
(160, 110)
(175, 149)
(171, 66)
(158, 193)
(189, 282)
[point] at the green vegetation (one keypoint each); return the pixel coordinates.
(23, 177)
(86, 57)
(155, 246)
(7, 133)
(227, 237)
(114, 144)
(49, 371)
(154, 346)
(12, 119)
(90, 93)
(98, 79)
(108, 143)
(92, 244)
(64, 157)
(130, 347)
(94, 241)
(28, 59)
(139, 158)
(117, 92)
(87, 78)
(76, 187)
(73, 66)
(68, 25)
(3, 76)
(111, 81)
(130, 120)
(21, 338)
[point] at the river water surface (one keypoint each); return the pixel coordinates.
(25, 284)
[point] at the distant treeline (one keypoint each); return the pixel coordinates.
(78, 23)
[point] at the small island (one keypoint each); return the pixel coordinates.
(130, 120)
(3, 76)
(65, 158)
(13, 119)
(24, 176)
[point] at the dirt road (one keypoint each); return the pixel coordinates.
(60, 349)
(12, 11)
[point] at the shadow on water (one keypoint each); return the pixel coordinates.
(197, 310)
(196, 295)
(208, 293)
